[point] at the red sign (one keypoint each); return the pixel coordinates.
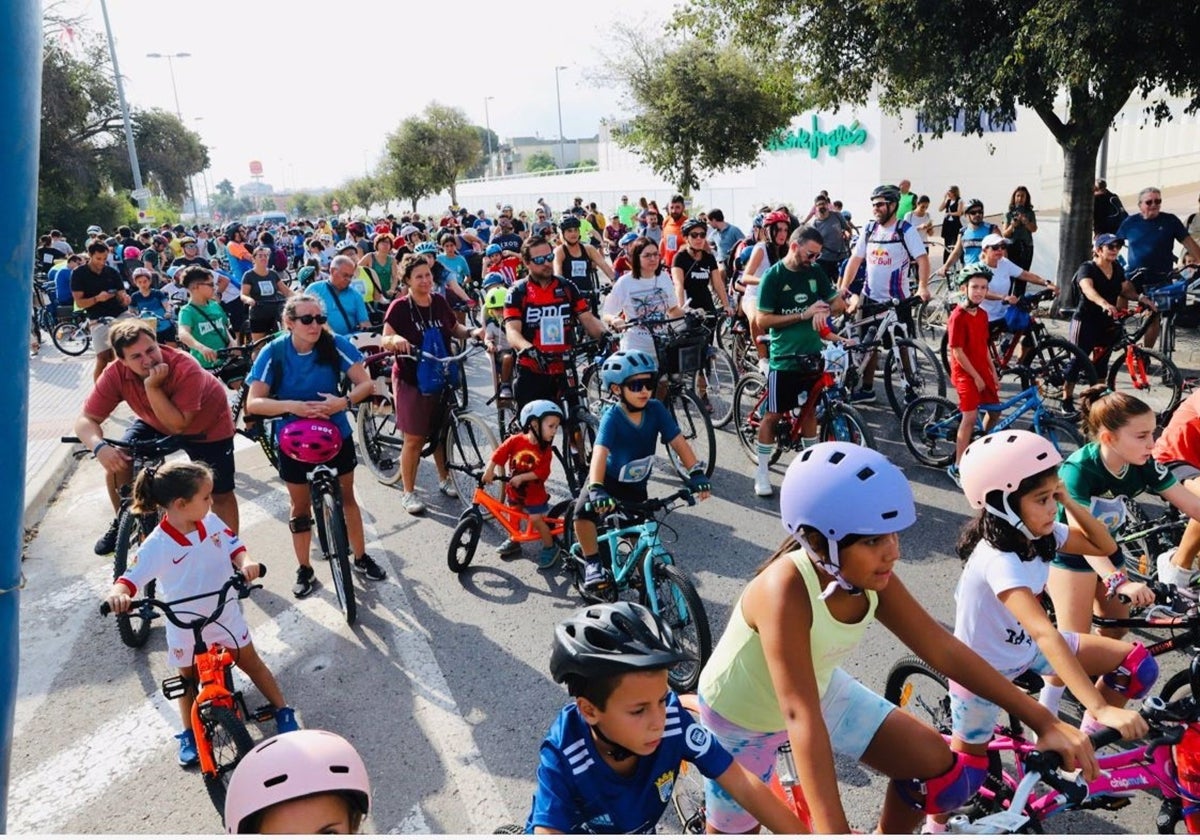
(256, 167)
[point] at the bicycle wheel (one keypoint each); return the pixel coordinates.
(1148, 375)
(679, 605)
(464, 541)
(931, 318)
(915, 688)
(748, 408)
(230, 741)
(597, 398)
(911, 370)
(1048, 365)
(697, 429)
(510, 828)
(506, 419)
(379, 439)
(575, 455)
(1178, 686)
(133, 626)
(337, 551)
(1065, 436)
(687, 799)
(929, 426)
(1141, 554)
(721, 378)
(71, 338)
(469, 446)
(841, 422)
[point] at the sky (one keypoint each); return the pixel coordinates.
(312, 89)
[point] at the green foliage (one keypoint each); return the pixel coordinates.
(301, 204)
(429, 153)
(168, 152)
(699, 108)
(478, 170)
(540, 162)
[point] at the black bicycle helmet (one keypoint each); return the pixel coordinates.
(232, 228)
(973, 204)
(610, 639)
(570, 223)
(691, 225)
(888, 192)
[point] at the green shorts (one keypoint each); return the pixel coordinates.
(1078, 563)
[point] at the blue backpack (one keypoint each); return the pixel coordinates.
(432, 376)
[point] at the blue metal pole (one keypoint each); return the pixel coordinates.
(20, 109)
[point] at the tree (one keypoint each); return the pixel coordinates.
(1074, 63)
(480, 168)
(168, 152)
(430, 153)
(540, 162)
(698, 108)
(301, 205)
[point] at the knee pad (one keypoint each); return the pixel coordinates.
(948, 791)
(1136, 674)
(300, 524)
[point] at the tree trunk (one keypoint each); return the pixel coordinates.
(1075, 233)
(454, 193)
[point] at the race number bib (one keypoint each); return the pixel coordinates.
(637, 471)
(266, 288)
(579, 269)
(553, 330)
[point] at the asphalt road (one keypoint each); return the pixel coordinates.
(442, 685)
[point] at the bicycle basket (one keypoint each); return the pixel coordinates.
(682, 353)
(1168, 297)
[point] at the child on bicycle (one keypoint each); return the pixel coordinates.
(494, 295)
(971, 369)
(306, 782)
(1115, 464)
(526, 459)
(624, 454)
(775, 676)
(611, 757)
(191, 552)
(203, 324)
(1012, 479)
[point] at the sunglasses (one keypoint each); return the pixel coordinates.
(638, 385)
(998, 247)
(650, 255)
(1112, 246)
(542, 260)
(307, 320)
(879, 203)
(812, 255)
(974, 212)
(696, 234)
(1152, 202)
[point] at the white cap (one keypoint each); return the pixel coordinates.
(993, 239)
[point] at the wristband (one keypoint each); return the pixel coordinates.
(1114, 582)
(96, 449)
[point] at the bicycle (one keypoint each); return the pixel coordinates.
(515, 522)
(836, 418)
(909, 369)
(929, 425)
(233, 365)
(219, 711)
(325, 490)
(1147, 374)
(1144, 538)
(1170, 298)
(467, 439)
(707, 368)
(643, 569)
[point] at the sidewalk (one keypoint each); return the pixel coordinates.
(58, 385)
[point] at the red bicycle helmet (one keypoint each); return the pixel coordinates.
(775, 217)
(310, 441)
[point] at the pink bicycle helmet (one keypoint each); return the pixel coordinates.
(289, 766)
(131, 252)
(1000, 462)
(310, 441)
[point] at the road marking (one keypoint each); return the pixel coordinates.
(414, 823)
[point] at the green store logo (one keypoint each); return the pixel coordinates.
(815, 140)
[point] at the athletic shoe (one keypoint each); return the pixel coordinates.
(1068, 408)
(952, 471)
(863, 395)
(1181, 579)
(506, 392)
(446, 486)
(306, 582)
(548, 557)
(188, 756)
(107, 544)
(764, 366)
(412, 504)
(285, 720)
(596, 578)
(369, 569)
(509, 548)
(762, 485)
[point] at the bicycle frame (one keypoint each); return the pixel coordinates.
(515, 522)
(1029, 399)
(213, 674)
(816, 394)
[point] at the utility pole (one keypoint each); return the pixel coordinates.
(139, 191)
(170, 57)
(562, 149)
(487, 124)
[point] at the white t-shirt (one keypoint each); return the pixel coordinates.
(919, 222)
(981, 621)
(887, 260)
(1000, 284)
(635, 298)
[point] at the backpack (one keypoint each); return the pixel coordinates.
(902, 227)
(1119, 213)
(432, 377)
(279, 259)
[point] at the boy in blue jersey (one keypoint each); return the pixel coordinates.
(611, 758)
(624, 454)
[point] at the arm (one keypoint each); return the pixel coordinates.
(852, 265)
(760, 801)
(260, 402)
(241, 562)
(601, 261)
(516, 340)
(767, 320)
(1030, 277)
(954, 255)
(750, 275)
(559, 258)
(188, 340)
(677, 281)
(718, 284)
(165, 410)
(590, 323)
(960, 356)
(88, 430)
(599, 465)
(1087, 288)
(1088, 534)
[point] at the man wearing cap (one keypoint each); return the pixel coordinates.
(542, 226)
(483, 227)
(191, 254)
(507, 239)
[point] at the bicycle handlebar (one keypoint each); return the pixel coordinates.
(145, 448)
(236, 581)
(654, 505)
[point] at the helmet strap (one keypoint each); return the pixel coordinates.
(831, 567)
(1011, 517)
(611, 748)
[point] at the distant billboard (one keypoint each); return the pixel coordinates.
(256, 168)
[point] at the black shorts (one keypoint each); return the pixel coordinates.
(618, 490)
(784, 388)
(296, 472)
(217, 454)
(530, 386)
(264, 317)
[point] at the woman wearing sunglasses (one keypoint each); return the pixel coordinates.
(296, 376)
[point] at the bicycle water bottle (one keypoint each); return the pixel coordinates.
(786, 784)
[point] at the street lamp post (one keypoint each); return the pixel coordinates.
(133, 159)
(562, 149)
(170, 57)
(487, 124)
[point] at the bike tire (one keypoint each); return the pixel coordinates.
(574, 461)
(748, 415)
(375, 421)
(841, 422)
(469, 447)
(931, 318)
(134, 626)
(71, 338)
(1151, 377)
(925, 376)
(1048, 365)
(506, 419)
(1178, 686)
(593, 387)
(509, 828)
(696, 426)
(230, 741)
(918, 690)
(464, 541)
(929, 427)
(1065, 436)
(722, 377)
(680, 607)
(338, 554)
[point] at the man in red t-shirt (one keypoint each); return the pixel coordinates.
(171, 395)
(672, 231)
(971, 369)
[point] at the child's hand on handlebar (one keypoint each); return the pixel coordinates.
(118, 598)
(1129, 723)
(250, 571)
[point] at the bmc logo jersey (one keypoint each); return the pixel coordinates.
(545, 313)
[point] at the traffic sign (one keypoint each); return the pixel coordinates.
(144, 217)
(139, 195)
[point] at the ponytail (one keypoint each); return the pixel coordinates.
(159, 488)
(1100, 409)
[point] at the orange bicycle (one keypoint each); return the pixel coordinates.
(218, 711)
(465, 539)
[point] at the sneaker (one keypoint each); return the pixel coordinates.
(1181, 579)
(1068, 407)
(863, 395)
(509, 548)
(548, 557)
(285, 720)
(506, 392)
(446, 486)
(412, 504)
(764, 366)
(108, 543)
(762, 485)
(952, 471)
(369, 569)
(188, 756)
(306, 582)
(596, 578)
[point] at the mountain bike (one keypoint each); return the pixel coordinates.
(515, 522)
(630, 539)
(219, 711)
(910, 369)
(1149, 375)
(929, 425)
(1170, 298)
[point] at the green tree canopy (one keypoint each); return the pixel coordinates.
(1075, 63)
(540, 162)
(478, 170)
(429, 153)
(168, 152)
(698, 108)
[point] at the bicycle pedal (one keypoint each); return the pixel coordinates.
(1107, 802)
(263, 714)
(174, 687)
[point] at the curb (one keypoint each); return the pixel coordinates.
(45, 483)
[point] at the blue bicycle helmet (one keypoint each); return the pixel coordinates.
(758, 221)
(538, 409)
(426, 248)
(839, 489)
(624, 365)
(628, 239)
(492, 250)
(493, 278)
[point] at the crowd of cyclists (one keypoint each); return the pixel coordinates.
(162, 305)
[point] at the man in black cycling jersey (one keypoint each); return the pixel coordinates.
(538, 318)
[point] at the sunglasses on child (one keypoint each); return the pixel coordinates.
(639, 385)
(307, 320)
